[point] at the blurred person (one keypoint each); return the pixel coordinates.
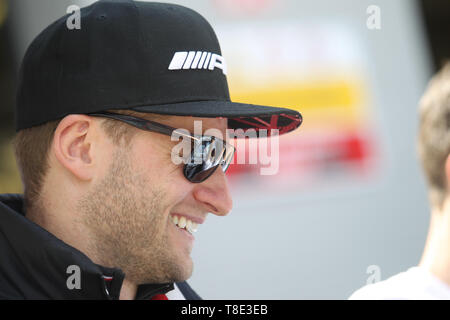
(431, 278)
(106, 212)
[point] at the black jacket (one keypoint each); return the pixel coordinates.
(34, 264)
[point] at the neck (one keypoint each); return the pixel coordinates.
(436, 256)
(59, 219)
(128, 290)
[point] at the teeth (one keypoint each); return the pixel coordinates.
(184, 223)
(189, 226)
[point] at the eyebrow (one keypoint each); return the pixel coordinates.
(150, 125)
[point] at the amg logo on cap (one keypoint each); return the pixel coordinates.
(197, 60)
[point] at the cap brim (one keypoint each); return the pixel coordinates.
(240, 115)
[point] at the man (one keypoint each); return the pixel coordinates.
(108, 212)
(431, 278)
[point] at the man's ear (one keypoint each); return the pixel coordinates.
(447, 170)
(72, 145)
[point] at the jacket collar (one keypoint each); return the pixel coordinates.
(34, 264)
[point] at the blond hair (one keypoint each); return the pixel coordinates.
(434, 134)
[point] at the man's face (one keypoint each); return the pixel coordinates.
(130, 212)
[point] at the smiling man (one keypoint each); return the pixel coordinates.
(106, 212)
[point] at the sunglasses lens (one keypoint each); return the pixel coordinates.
(197, 173)
(212, 154)
(227, 158)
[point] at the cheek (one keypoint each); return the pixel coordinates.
(146, 157)
(105, 157)
(156, 165)
(176, 184)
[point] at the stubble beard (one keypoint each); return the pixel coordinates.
(124, 214)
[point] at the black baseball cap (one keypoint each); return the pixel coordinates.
(142, 56)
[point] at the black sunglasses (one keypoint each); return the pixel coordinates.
(208, 151)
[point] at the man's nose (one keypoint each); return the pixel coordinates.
(214, 193)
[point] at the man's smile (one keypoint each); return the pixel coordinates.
(189, 224)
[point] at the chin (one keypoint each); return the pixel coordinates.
(183, 270)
